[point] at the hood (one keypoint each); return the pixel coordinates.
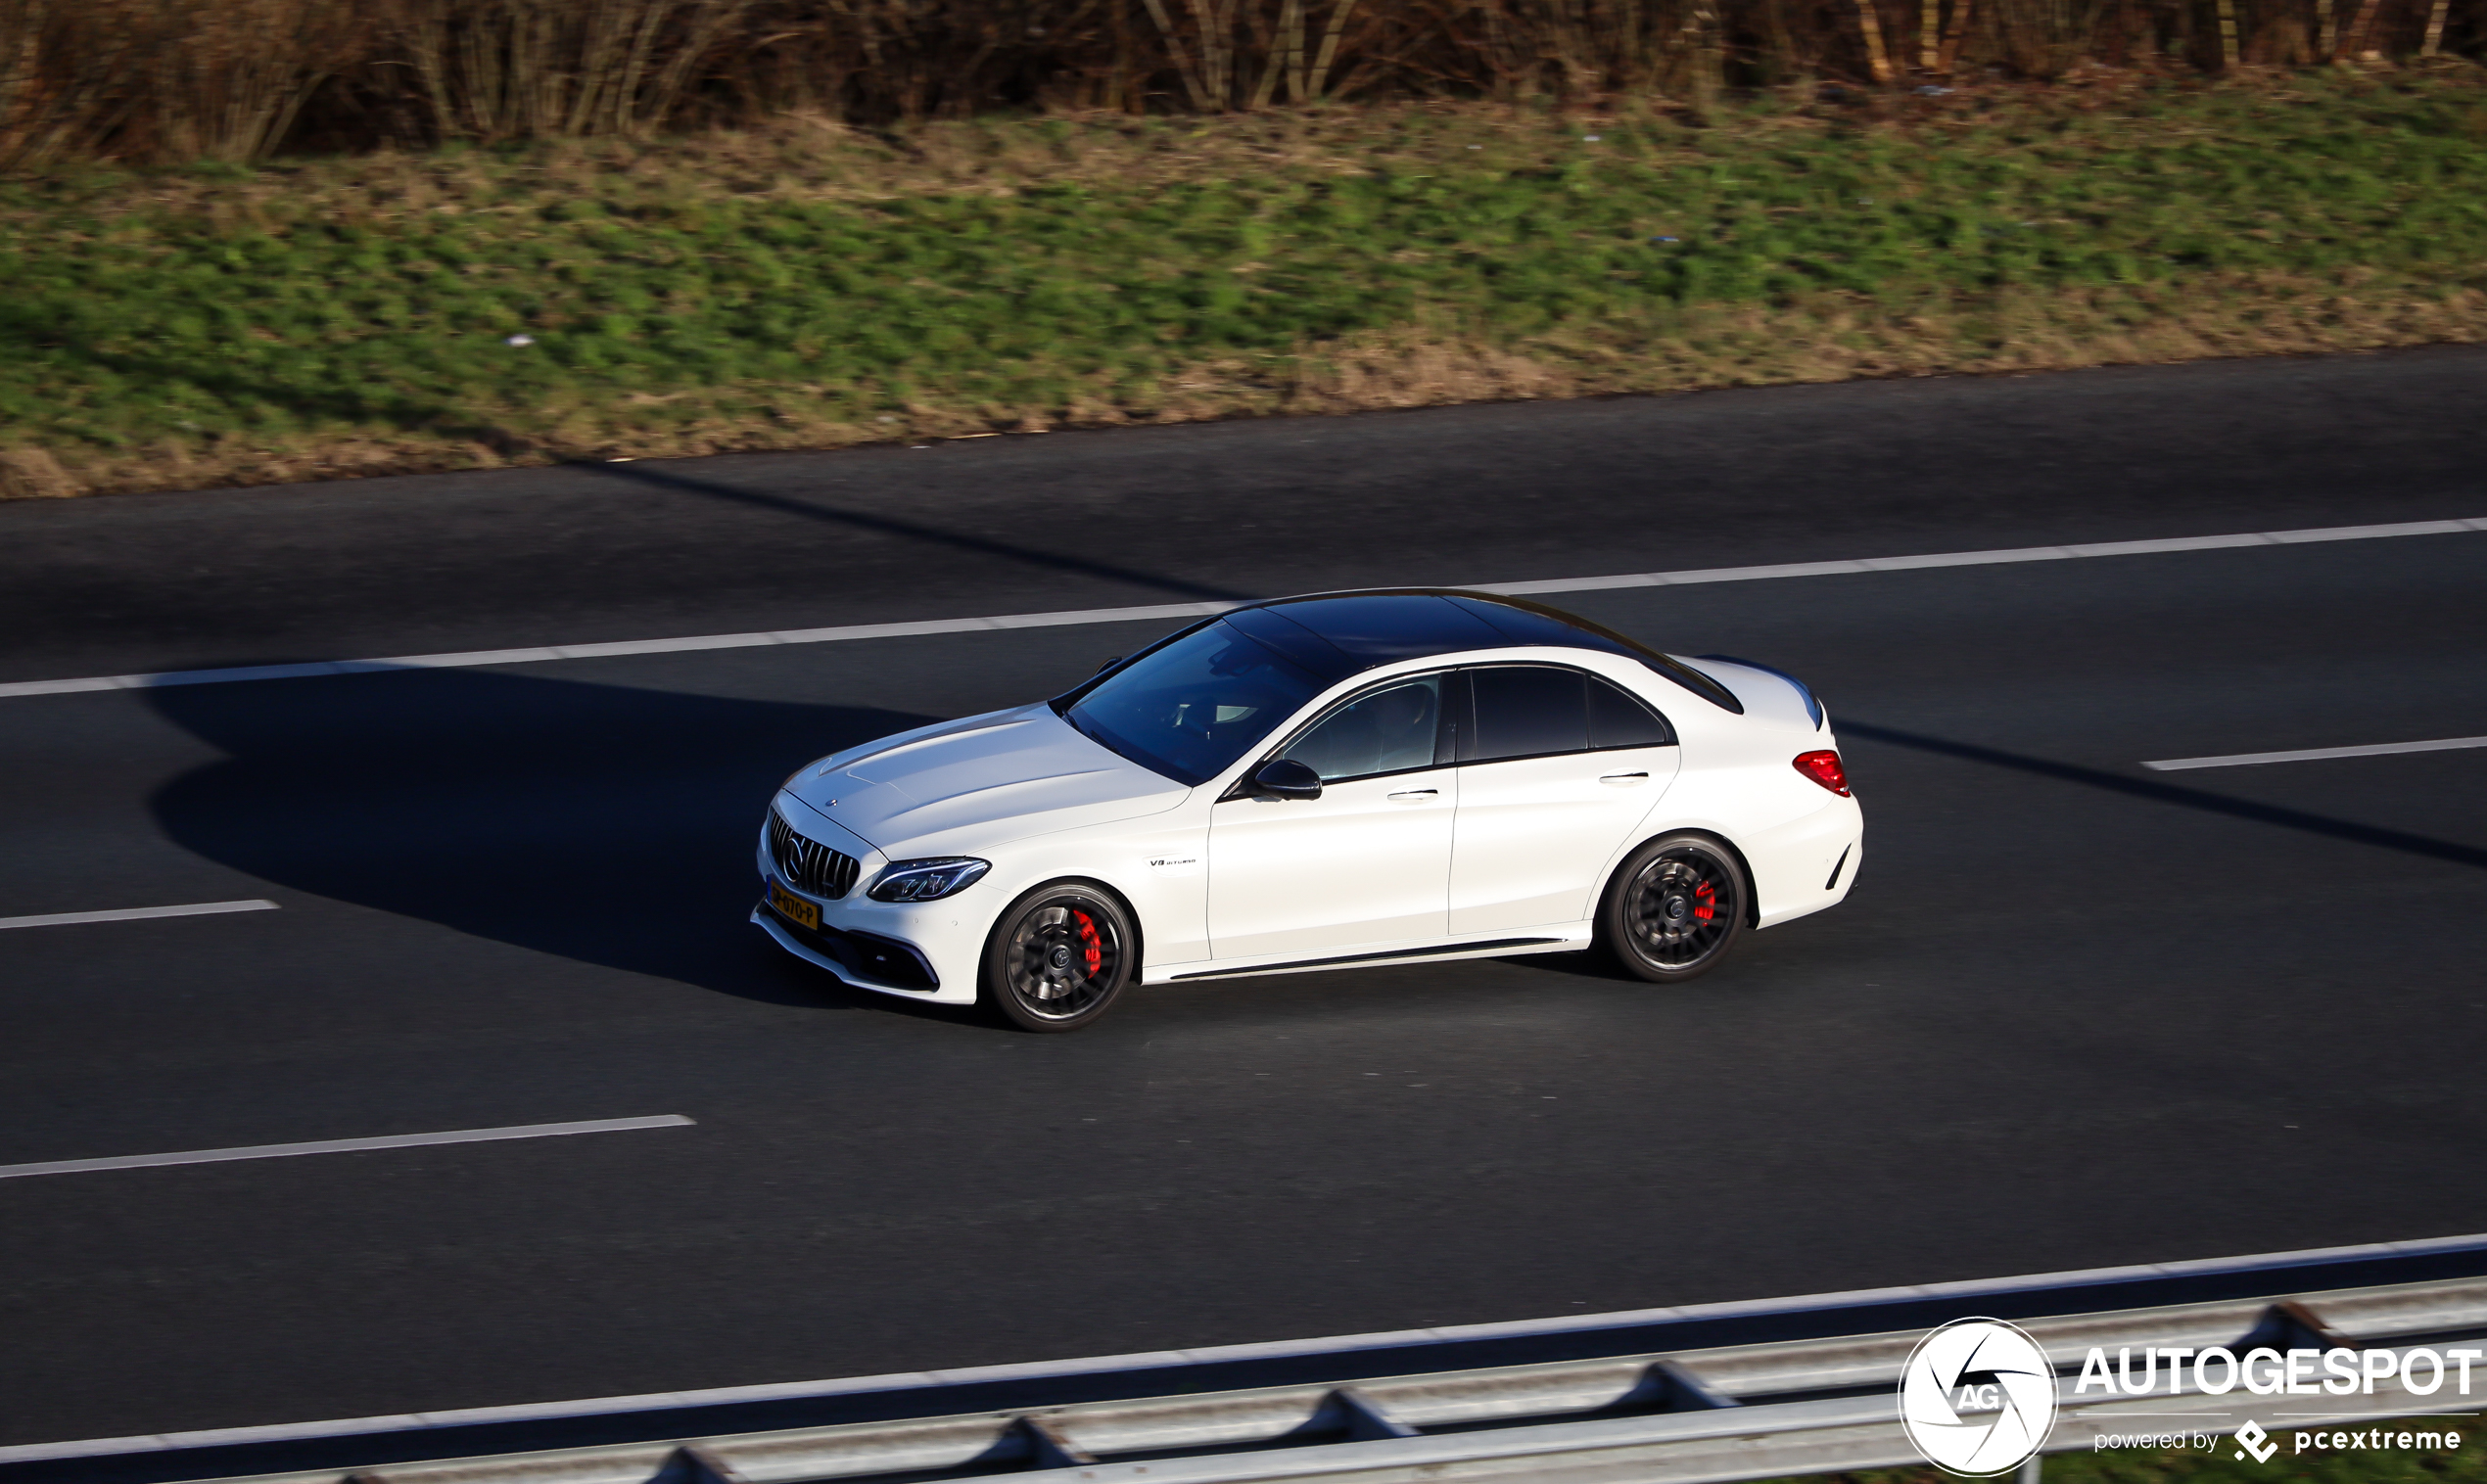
(979, 782)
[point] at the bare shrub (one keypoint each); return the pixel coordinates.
(2043, 39)
(494, 69)
(165, 80)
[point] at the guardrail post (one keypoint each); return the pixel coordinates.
(694, 1465)
(2291, 1325)
(1366, 1418)
(1047, 1447)
(1668, 1387)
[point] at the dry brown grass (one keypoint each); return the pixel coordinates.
(1830, 339)
(811, 158)
(808, 158)
(32, 473)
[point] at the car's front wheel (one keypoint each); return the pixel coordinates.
(1060, 957)
(1676, 907)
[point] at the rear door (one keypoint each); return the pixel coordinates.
(1557, 768)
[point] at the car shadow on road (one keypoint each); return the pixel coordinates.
(609, 825)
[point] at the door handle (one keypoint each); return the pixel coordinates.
(1414, 794)
(1624, 780)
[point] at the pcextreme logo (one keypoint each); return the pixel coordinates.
(1978, 1397)
(2251, 1438)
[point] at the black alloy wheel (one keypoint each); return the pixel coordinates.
(1059, 958)
(1676, 909)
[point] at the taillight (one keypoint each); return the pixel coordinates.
(1823, 768)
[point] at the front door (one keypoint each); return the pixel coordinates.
(1367, 864)
(1564, 766)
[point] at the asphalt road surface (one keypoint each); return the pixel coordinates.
(2074, 1014)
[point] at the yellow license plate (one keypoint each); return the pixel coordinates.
(793, 908)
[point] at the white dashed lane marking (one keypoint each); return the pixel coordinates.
(2313, 754)
(343, 1146)
(138, 913)
(540, 654)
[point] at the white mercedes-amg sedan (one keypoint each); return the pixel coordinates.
(1314, 783)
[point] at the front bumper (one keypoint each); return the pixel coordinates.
(866, 960)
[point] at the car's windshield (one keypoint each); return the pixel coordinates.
(1191, 709)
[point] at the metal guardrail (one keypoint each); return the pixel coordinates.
(1689, 1417)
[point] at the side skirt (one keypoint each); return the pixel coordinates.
(1435, 952)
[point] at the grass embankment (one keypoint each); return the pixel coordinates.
(2465, 1464)
(815, 287)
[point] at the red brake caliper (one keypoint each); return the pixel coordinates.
(1706, 902)
(1089, 942)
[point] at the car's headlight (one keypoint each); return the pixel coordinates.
(927, 880)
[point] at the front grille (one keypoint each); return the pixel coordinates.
(808, 866)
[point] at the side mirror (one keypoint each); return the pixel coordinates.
(1286, 779)
(1110, 662)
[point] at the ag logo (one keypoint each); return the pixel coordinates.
(1977, 1396)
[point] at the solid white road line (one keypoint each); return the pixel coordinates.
(524, 1412)
(139, 913)
(1198, 610)
(344, 1145)
(2310, 754)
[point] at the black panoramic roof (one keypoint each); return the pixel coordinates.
(1338, 634)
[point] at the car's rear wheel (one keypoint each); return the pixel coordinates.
(1676, 907)
(1060, 957)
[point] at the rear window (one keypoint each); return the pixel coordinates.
(1536, 711)
(1528, 710)
(1620, 718)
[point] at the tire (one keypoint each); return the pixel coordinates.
(1674, 908)
(1060, 957)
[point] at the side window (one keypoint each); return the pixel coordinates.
(1381, 731)
(1620, 718)
(1526, 711)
